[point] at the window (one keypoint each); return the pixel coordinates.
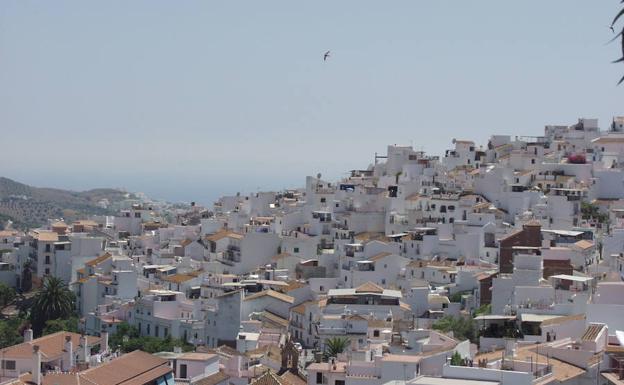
(532, 161)
(166, 332)
(47, 248)
(339, 382)
(47, 259)
(156, 330)
(375, 333)
(47, 271)
(323, 200)
(137, 215)
(8, 364)
(319, 377)
(182, 371)
(296, 249)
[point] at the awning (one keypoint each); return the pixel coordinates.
(576, 278)
(494, 317)
(526, 317)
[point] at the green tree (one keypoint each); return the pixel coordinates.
(10, 331)
(7, 294)
(335, 346)
(56, 325)
(456, 359)
(127, 339)
(462, 328)
(53, 301)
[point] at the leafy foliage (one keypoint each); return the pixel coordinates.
(127, 339)
(335, 346)
(7, 294)
(10, 331)
(456, 359)
(57, 325)
(462, 328)
(590, 211)
(484, 309)
(620, 35)
(54, 301)
(456, 297)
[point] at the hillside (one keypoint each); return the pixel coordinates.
(29, 206)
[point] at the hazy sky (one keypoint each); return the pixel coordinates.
(187, 100)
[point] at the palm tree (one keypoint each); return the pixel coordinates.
(335, 346)
(620, 35)
(53, 301)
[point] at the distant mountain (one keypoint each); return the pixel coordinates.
(29, 206)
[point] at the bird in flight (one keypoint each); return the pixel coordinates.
(325, 56)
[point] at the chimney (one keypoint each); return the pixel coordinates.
(68, 355)
(28, 335)
(104, 342)
(86, 354)
(36, 370)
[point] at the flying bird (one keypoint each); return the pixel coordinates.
(326, 55)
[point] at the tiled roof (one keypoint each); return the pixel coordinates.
(178, 278)
(379, 256)
(224, 234)
(50, 346)
(271, 293)
(299, 309)
(275, 319)
(369, 287)
(368, 236)
(294, 285)
(135, 368)
(292, 379)
(224, 349)
(46, 236)
(98, 260)
(268, 378)
(213, 379)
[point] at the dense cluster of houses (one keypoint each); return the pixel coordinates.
(522, 238)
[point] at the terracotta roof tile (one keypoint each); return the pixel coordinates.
(271, 293)
(213, 379)
(98, 260)
(369, 287)
(135, 368)
(51, 346)
(269, 378)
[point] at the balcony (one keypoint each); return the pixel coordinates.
(332, 330)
